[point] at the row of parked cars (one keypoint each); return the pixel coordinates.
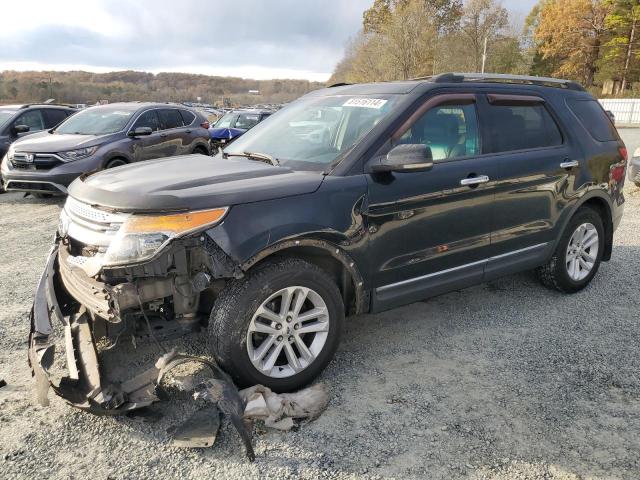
(46, 147)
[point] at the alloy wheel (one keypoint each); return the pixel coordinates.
(288, 332)
(582, 252)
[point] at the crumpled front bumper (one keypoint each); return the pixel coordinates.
(82, 386)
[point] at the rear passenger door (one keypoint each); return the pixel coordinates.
(524, 139)
(170, 136)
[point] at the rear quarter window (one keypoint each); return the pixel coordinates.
(594, 119)
(188, 116)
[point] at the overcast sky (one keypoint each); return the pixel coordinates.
(248, 38)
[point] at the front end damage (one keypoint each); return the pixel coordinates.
(168, 296)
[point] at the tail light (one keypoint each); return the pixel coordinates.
(623, 153)
(205, 124)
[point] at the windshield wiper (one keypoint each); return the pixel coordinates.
(262, 157)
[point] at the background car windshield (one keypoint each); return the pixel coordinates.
(6, 115)
(312, 133)
(247, 120)
(225, 122)
(96, 121)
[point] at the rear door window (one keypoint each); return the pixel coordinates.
(54, 116)
(521, 127)
(33, 119)
(187, 116)
(170, 118)
(594, 119)
(148, 119)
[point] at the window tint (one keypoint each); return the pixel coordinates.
(187, 117)
(53, 117)
(594, 119)
(451, 131)
(521, 127)
(148, 119)
(32, 118)
(170, 118)
(247, 120)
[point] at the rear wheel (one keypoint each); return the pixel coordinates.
(279, 326)
(578, 254)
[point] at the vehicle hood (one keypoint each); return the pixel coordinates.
(45, 142)
(191, 182)
(218, 133)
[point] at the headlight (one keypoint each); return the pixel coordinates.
(142, 236)
(71, 155)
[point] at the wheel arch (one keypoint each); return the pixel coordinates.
(115, 156)
(597, 201)
(327, 256)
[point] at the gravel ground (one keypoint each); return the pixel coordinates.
(504, 380)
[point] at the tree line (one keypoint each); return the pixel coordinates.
(85, 87)
(595, 42)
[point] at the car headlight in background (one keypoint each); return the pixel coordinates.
(142, 236)
(71, 155)
(11, 153)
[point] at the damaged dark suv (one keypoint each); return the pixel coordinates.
(353, 199)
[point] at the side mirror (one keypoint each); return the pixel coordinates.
(16, 129)
(140, 132)
(406, 158)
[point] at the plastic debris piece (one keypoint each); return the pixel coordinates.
(200, 430)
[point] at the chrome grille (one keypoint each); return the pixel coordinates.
(89, 225)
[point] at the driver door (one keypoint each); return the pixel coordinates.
(430, 231)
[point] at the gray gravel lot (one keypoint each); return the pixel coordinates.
(504, 380)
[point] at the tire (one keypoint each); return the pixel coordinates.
(115, 162)
(235, 312)
(555, 274)
(200, 151)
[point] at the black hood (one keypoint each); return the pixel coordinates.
(191, 182)
(45, 142)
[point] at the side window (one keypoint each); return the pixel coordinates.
(32, 118)
(53, 117)
(450, 131)
(170, 118)
(594, 119)
(187, 117)
(148, 119)
(521, 127)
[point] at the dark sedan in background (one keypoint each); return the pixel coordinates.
(102, 137)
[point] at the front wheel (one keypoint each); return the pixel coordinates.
(578, 254)
(279, 326)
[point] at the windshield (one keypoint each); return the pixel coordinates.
(96, 121)
(313, 132)
(6, 115)
(226, 121)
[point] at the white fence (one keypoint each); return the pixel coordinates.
(626, 111)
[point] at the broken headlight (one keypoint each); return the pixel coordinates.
(142, 236)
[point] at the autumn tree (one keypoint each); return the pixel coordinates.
(621, 55)
(570, 34)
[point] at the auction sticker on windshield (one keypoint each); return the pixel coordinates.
(376, 103)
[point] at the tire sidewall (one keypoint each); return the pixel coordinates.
(236, 357)
(585, 215)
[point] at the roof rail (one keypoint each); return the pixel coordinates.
(341, 84)
(502, 78)
(38, 104)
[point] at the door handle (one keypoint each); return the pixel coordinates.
(570, 164)
(163, 135)
(470, 182)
